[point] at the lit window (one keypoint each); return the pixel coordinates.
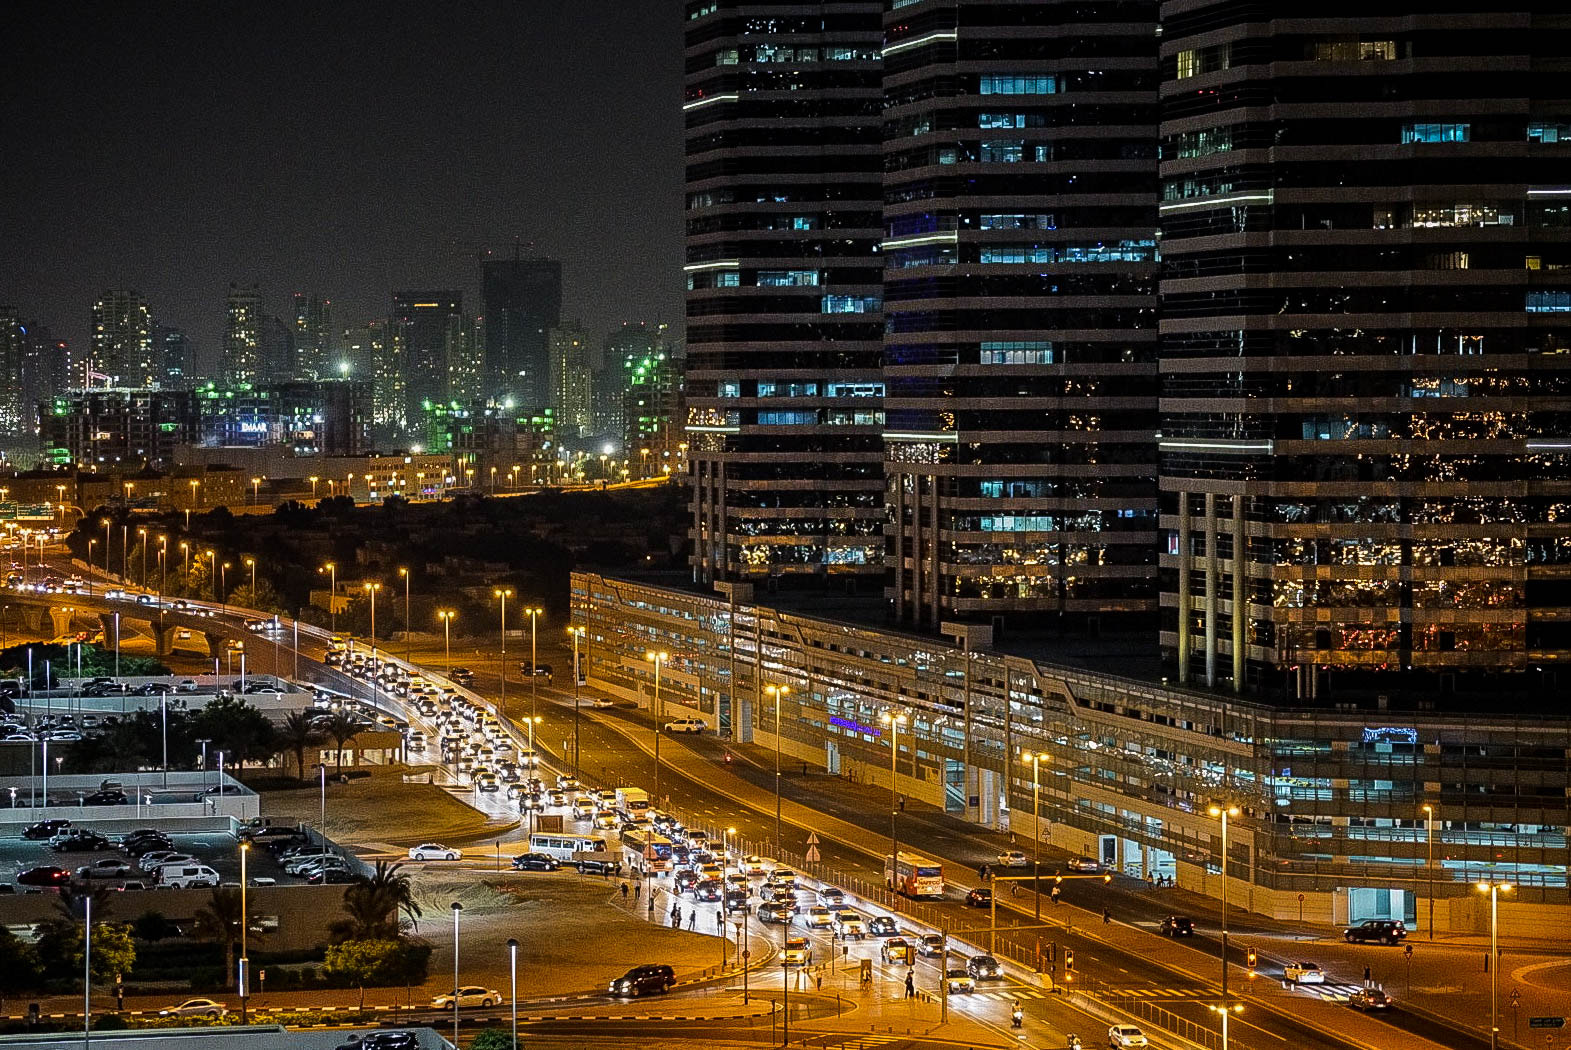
(1007, 84)
(1436, 132)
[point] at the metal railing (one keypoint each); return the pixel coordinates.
(1151, 1013)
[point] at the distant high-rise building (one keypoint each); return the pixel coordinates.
(570, 380)
(242, 361)
(428, 341)
(278, 350)
(367, 353)
(633, 341)
(315, 417)
(121, 340)
(314, 337)
(466, 366)
(46, 370)
(14, 414)
(652, 414)
(783, 111)
(173, 354)
(523, 302)
(117, 427)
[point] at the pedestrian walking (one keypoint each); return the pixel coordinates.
(624, 891)
(637, 886)
(651, 907)
(902, 803)
(1107, 916)
(1054, 894)
(910, 985)
(1014, 889)
(692, 919)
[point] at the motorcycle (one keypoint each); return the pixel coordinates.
(1074, 1042)
(1017, 1017)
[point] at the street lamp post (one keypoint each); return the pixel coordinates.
(457, 908)
(250, 563)
(725, 858)
(1494, 889)
(245, 848)
(1224, 812)
(776, 691)
(407, 632)
(894, 722)
(371, 589)
(512, 981)
(502, 594)
(577, 633)
(1226, 1010)
(534, 689)
(223, 587)
(331, 568)
(446, 616)
(658, 659)
(1036, 758)
(1429, 862)
(141, 535)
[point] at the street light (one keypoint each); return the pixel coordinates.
(223, 587)
(407, 631)
(1036, 759)
(1429, 862)
(142, 538)
(256, 490)
(894, 722)
(576, 633)
(245, 848)
(1226, 1010)
(331, 568)
(313, 479)
(502, 594)
(457, 908)
(250, 563)
(371, 589)
(512, 980)
(446, 616)
(658, 659)
(776, 692)
(1494, 889)
(1224, 812)
(534, 688)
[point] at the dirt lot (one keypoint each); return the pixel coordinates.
(378, 809)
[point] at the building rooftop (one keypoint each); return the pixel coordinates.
(249, 1037)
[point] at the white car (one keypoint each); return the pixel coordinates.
(594, 701)
(433, 851)
(1090, 866)
(1013, 858)
(686, 725)
(960, 980)
(1122, 1035)
(196, 1008)
(818, 918)
(469, 995)
(1303, 973)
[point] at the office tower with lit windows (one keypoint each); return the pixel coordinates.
(172, 354)
(1366, 232)
(652, 413)
(314, 336)
(632, 341)
(523, 302)
(428, 339)
(571, 373)
(782, 105)
(120, 343)
(242, 361)
(1020, 254)
(15, 415)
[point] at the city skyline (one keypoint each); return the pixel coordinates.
(391, 165)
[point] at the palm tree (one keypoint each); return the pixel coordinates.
(342, 727)
(372, 906)
(297, 734)
(221, 920)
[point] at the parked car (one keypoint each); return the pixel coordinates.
(433, 851)
(44, 829)
(1386, 931)
(1303, 973)
(44, 876)
(109, 868)
(381, 1041)
(469, 995)
(1367, 999)
(1178, 926)
(78, 840)
(196, 1008)
(643, 980)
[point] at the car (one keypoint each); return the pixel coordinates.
(818, 917)
(882, 926)
(303, 864)
(959, 980)
(708, 890)
(849, 923)
(462, 675)
(604, 821)
(981, 897)
(798, 952)
(736, 900)
(468, 995)
(105, 869)
(594, 866)
(196, 1008)
(106, 798)
(984, 968)
(1369, 999)
(1123, 1035)
(1385, 931)
(643, 980)
(1089, 866)
(151, 860)
(1303, 973)
(753, 864)
(79, 840)
(930, 945)
(895, 950)
(831, 895)
(433, 851)
(1178, 926)
(381, 1041)
(487, 781)
(772, 913)
(44, 829)
(44, 876)
(1013, 858)
(595, 701)
(780, 877)
(686, 725)
(332, 876)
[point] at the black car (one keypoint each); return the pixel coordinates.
(735, 900)
(145, 844)
(79, 840)
(47, 876)
(381, 1041)
(686, 880)
(882, 926)
(981, 897)
(1386, 931)
(106, 798)
(44, 829)
(591, 866)
(1178, 926)
(984, 967)
(643, 980)
(462, 675)
(777, 914)
(535, 862)
(709, 890)
(332, 877)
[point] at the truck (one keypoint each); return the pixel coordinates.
(631, 801)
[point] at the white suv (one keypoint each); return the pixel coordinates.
(1126, 1035)
(686, 725)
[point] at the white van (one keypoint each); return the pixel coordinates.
(186, 875)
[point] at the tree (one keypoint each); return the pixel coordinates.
(19, 967)
(220, 921)
(263, 599)
(153, 926)
(237, 729)
(492, 1039)
(372, 906)
(342, 727)
(60, 950)
(373, 962)
(295, 735)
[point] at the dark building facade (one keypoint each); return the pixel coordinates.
(331, 418)
(784, 303)
(117, 428)
(523, 302)
(427, 330)
(1020, 300)
(1366, 233)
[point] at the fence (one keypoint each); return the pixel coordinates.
(1145, 1010)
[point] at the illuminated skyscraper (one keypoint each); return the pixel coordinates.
(243, 335)
(14, 412)
(570, 380)
(121, 341)
(314, 337)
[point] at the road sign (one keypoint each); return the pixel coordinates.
(812, 854)
(1546, 1022)
(812, 838)
(746, 953)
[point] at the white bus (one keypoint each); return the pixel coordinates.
(563, 845)
(646, 849)
(913, 875)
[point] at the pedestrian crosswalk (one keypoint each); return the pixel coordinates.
(1163, 993)
(1004, 997)
(1332, 993)
(867, 1042)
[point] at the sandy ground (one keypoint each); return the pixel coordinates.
(382, 808)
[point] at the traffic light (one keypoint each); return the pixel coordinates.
(910, 959)
(1107, 878)
(1253, 957)
(1069, 960)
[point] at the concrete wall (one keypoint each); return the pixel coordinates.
(240, 807)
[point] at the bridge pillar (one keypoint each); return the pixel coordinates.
(60, 620)
(164, 640)
(107, 622)
(215, 644)
(32, 618)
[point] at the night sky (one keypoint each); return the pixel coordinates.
(338, 147)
